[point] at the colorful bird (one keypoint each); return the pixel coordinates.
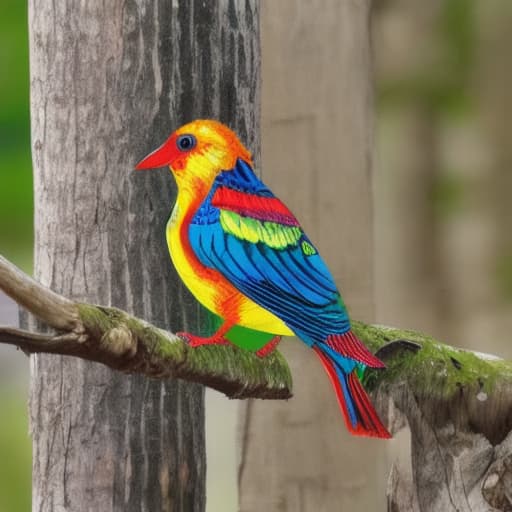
(244, 256)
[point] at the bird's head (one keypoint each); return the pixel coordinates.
(198, 152)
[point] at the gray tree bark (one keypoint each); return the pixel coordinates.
(109, 82)
(317, 156)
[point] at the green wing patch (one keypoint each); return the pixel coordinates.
(272, 234)
(307, 248)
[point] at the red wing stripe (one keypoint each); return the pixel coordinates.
(251, 205)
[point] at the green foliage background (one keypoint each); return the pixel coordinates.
(14, 453)
(16, 235)
(16, 200)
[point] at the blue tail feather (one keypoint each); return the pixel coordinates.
(346, 394)
(358, 412)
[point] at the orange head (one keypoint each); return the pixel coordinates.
(198, 150)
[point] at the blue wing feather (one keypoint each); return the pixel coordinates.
(295, 286)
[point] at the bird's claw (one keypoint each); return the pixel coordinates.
(196, 341)
(269, 347)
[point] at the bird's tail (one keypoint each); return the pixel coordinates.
(358, 412)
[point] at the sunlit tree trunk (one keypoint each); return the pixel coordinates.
(109, 82)
(317, 156)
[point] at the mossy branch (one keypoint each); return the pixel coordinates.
(463, 386)
(129, 344)
(458, 407)
(471, 390)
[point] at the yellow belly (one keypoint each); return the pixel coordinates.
(212, 289)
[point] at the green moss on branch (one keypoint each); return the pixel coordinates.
(152, 351)
(471, 390)
(435, 368)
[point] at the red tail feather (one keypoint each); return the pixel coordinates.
(368, 423)
(369, 417)
(337, 388)
(349, 345)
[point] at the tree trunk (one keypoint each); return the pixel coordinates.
(108, 84)
(317, 154)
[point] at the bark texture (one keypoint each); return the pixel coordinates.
(457, 405)
(317, 156)
(109, 82)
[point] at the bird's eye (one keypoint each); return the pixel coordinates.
(186, 142)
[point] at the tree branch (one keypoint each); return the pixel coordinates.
(55, 310)
(32, 342)
(470, 390)
(458, 406)
(126, 343)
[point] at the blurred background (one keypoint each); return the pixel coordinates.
(15, 244)
(442, 187)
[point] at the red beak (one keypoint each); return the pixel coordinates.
(161, 157)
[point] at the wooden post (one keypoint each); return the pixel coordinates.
(109, 82)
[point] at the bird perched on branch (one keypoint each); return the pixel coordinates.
(244, 256)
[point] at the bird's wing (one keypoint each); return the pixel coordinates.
(248, 235)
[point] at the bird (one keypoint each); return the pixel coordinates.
(244, 256)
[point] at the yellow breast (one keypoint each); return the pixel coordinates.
(209, 286)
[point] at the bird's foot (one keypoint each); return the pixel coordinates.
(196, 341)
(268, 347)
